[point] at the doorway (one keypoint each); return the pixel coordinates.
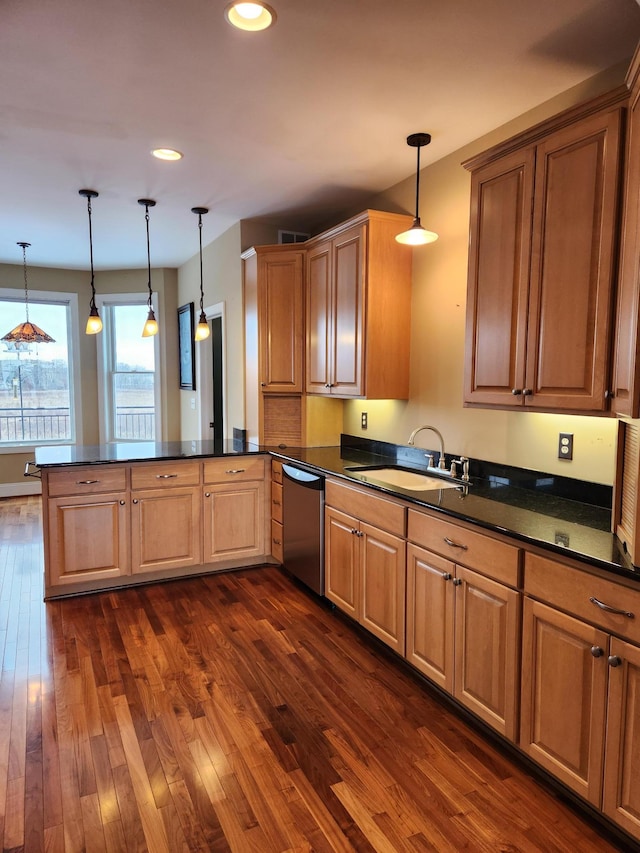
(211, 378)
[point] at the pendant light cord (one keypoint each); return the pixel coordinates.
(92, 304)
(146, 216)
(200, 235)
(418, 181)
(24, 269)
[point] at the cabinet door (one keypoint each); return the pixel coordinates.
(165, 529)
(341, 561)
(382, 585)
(234, 521)
(621, 799)
(347, 345)
(88, 538)
(564, 682)
(430, 597)
(487, 666)
(626, 384)
(319, 326)
(499, 256)
(280, 307)
(572, 269)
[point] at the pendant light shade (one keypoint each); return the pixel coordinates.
(27, 332)
(417, 235)
(202, 329)
(151, 325)
(94, 323)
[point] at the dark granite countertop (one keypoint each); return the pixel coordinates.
(568, 527)
(537, 514)
(138, 451)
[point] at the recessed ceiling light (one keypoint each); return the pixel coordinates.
(167, 154)
(251, 16)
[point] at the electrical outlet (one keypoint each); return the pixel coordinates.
(565, 445)
(364, 420)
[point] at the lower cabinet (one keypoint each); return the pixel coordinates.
(87, 539)
(581, 685)
(365, 564)
(463, 632)
(165, 529)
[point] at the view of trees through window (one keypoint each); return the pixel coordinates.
(35, 398)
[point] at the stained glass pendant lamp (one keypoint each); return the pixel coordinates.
(94, 323)
(27, 332)
(151, 325)
(202, 329)
(417, 235)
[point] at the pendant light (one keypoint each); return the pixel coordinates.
(27, 333)
(417, 235)
(94, 323)
(202, 329)
(151, 325)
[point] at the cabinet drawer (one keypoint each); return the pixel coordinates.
(385, 514)
(233, 468)
(276, 471)
(276, 502)
(162, 475)
(81, 481)
(276, 540)
(495, 559)
(571, 590)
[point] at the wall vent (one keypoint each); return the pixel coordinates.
(292, 237)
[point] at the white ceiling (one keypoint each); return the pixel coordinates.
(302, 120)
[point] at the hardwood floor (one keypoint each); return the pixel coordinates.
(234, 713)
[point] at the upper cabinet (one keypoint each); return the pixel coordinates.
(358, 315)
(542, 261)
(626, 383)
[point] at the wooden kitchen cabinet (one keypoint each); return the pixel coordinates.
(365, 564)
(277, 529)
(166, 532)
(626, 381)
(358, 309)
(463, 628)
(235, 513)
(541, 265)
(581, 684)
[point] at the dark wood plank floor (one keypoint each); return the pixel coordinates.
(234, 713)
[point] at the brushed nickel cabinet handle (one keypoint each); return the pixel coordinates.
(614, 660)
(446, 576)
(456, 544)
(457, 581)
(527, 392)
(610, 609)
(276, 503)
(235, 471)
(277, 542)
(165, 476)
(86, 482)
(516, 392)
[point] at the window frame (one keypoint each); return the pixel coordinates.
(105, 401)
(13, 294)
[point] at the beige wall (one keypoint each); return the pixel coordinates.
(163, 282)
(438, 325)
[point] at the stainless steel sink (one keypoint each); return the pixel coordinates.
(401, 478)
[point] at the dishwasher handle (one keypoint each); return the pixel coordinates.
(303, 478)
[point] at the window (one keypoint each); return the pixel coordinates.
(130, 387)
(37, 390)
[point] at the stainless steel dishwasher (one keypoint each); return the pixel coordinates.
(303, 525)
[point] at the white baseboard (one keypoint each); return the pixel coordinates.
(16, 490)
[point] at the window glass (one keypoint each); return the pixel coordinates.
(131, 374)
(36, 401)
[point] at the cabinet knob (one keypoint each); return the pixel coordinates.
(457, 581)
(122, 503)
(446, 576)
(614, 660)
(516, 392)
(609, 395)
(353, 531)
(135, 500)
(596, 651)
(527, 392)
(263, 384)
(277, 542)
(207, 494)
